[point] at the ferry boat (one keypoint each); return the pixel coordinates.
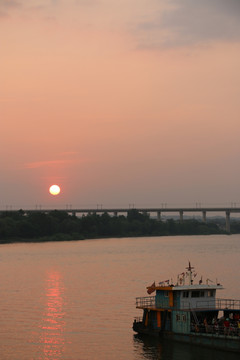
(190, 312)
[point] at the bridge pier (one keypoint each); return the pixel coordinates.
(158, 215)
(181, 215)
(204, 216)
(228, 221)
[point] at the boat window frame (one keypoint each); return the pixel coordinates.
(166, 293)
(197, 294)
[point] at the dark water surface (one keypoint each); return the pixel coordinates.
(76, 300)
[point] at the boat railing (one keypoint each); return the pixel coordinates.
(221, 304)
(216, 330)
(228, 304)
(146, 301)
(138, 319)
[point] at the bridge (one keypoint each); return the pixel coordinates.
(227, 211)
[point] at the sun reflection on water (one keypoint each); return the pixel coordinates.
(53, 324)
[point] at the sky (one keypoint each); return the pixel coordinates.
(121, 103)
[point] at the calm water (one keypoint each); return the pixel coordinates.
(76, 300)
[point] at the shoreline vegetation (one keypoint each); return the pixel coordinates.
(56, 225)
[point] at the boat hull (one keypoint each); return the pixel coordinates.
(220, 342)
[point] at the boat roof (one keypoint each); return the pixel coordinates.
(197, 287)
(189, 287)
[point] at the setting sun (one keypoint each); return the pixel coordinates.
(54, 190)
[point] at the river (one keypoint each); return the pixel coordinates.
(75, 300)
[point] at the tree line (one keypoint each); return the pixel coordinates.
(60, 225)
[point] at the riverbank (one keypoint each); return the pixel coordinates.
(62, 226)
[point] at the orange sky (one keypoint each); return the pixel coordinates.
(128, 102)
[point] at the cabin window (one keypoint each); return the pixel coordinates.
(210, 293)
(178, 317)
(184, 318)
(185, 294)
(166, 293)
(196, 294)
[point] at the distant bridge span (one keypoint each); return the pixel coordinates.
(115, 211)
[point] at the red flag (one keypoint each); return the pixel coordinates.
(151, 289)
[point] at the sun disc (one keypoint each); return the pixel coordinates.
(54, 190)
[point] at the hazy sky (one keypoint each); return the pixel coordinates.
(119, 102)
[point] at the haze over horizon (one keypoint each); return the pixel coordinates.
(119, 102)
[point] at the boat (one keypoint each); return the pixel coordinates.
(189, 311)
